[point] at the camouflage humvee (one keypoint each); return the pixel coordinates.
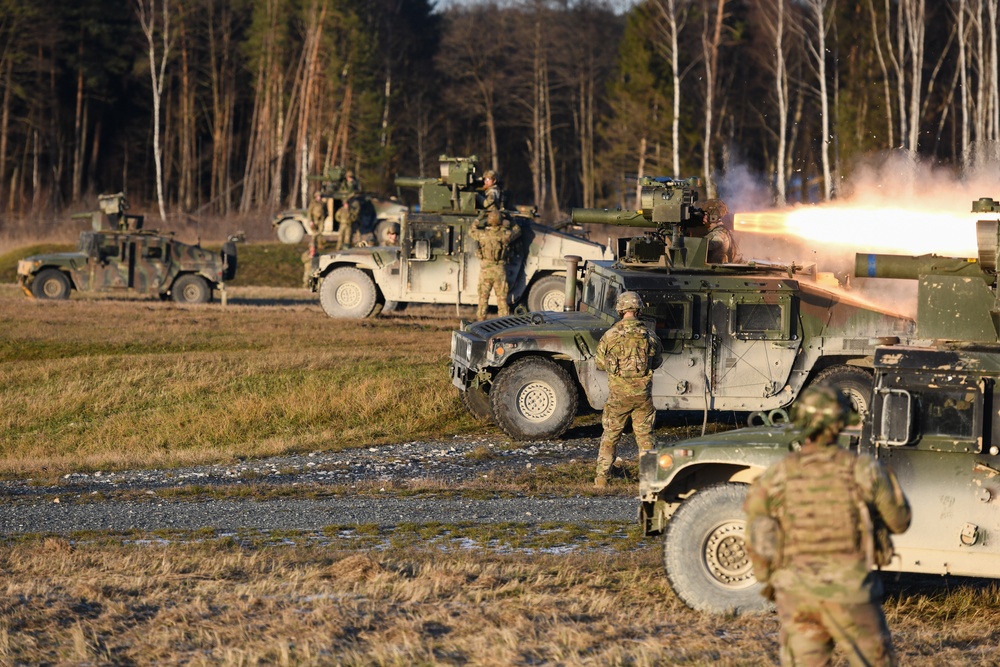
(737, 337)
(128, 259)
(377, 215)
(435, 261)
(935, 419)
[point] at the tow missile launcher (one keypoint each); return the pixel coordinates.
(742, 337)
(436, 261)
(956, 296)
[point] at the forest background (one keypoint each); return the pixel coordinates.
(225, 107)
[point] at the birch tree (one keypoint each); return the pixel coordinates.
(818, 11)
(711, 40)
(672, 16)
(146, 10)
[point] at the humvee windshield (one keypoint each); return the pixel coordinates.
(89, 244)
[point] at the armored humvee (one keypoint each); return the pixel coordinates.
(935, 419)
(738, 337)
(436, 262)
(292, 225)
(128, 259)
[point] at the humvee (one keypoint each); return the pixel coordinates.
(741, 337)
(935, 419)
(128, 259)
(436, 262)
(292, 225)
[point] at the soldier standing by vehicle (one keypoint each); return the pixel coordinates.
(492, 198)
(351, 183)
(494, 243)
(817, 522)
(316, 245)
(629, 352)
(317, 211)
(347, 215)
(721, 246)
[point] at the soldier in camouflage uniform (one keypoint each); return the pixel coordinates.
(814, 521)
(494, 244)
(347, 216)
(721, 246)
(317, 212)
(629, 352)
(492, 199)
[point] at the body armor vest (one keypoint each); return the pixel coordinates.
(821, 516)
(629, 356)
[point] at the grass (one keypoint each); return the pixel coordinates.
(106, 384)
(412, 595)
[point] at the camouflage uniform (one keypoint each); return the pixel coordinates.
(810, 538)
(721, 246)
(316, 245)
(492, 198)
(494, 243)
(629, 352)
(347, 215)
(317, 213)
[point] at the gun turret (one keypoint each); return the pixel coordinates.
(454, 191)
(956, 296)
(114, 207)
(668, 206)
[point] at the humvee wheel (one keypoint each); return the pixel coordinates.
(290, 231)
(705, 555)
(477, 403)
(549, 293)
(534, 398)
(190, 288)
(853, 381)
(51, 284)
(348, 292)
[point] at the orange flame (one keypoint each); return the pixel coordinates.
(890, 230)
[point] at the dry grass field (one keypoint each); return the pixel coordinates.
(104, 384)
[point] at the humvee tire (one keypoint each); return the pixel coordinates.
(348, 292)
(190, 288)
(534, 398)
(51, 284)
(704, 553)
(477, 403)
(549, 293)
(853, 381)
(291, 231)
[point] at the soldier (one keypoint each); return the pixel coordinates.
(316, 245)
(317, 212)
(392, 235)
(492, 199)
(351, 183)
(629, 352)
(347, 215)
(721, 246)
(494, 245)
(818, 521)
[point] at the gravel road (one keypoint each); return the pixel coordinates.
(77, 501)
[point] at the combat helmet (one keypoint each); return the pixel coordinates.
(715, 210)
(819, 407)
(493, 219)
(491, 174)
(629, 301)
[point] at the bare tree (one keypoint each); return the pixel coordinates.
(146, 10)
(672, 17)
(711, 39)
(816, 47)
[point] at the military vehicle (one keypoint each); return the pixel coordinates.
(738, 337)
(935, 420)
(128, 259)
(436, 262)
(292, 225)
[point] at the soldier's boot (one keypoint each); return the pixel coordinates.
(600, 482)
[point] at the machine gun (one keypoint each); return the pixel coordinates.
(454, 191)
(113, 206)
(956, 296)
(676, 242)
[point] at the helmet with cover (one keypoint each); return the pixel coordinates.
(629, 301)
(821, 407)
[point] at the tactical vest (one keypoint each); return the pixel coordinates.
(629, 355)
(492, 244)
(821, 516)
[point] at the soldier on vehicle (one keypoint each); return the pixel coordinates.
(721, 246)
(392, 235)
(817, 522)
(629, 352)
(492, 198)
(494, 240)
(350, 183)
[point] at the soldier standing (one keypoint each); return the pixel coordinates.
(818, 521)
(316, 245)
(721, 246)
(351, 183)
(492, 197)
(317, 212)
(629, 352)
(494, 244)
(347, 215)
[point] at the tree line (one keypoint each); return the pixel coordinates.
(228, 106)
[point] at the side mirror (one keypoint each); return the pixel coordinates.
(421, 250)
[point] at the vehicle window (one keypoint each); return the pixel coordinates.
(674, 317)
(949, 413)
(759, 321)
(439, 237)
(592, 292)
(152, 252)
(109, 248)
(610, 297)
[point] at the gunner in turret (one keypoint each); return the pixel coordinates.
(721, 246)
